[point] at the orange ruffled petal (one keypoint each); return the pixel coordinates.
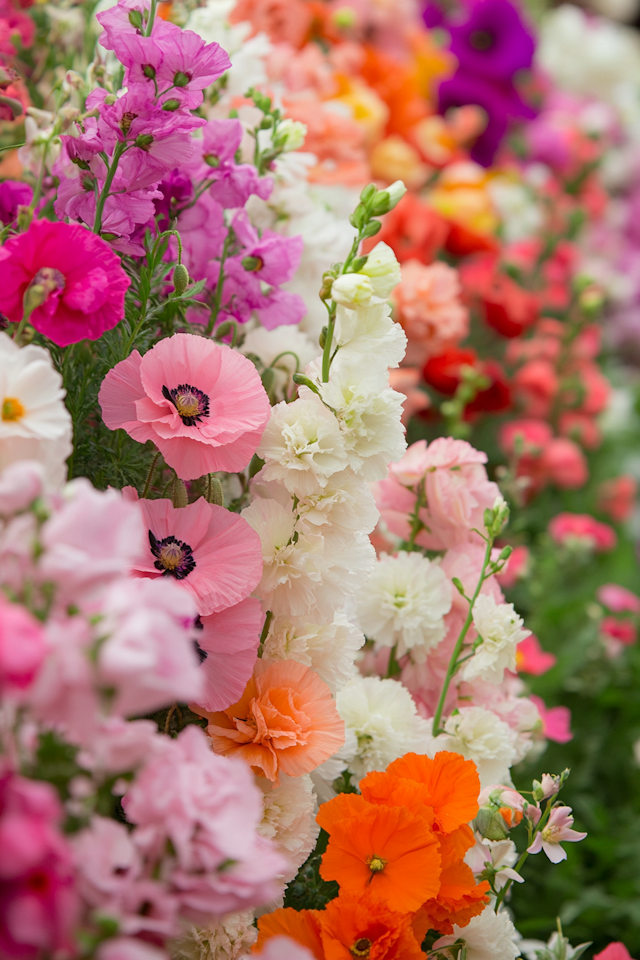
(301, 925)
(453, 784)
(363, 922)
(459, 899)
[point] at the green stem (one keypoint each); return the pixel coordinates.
(150, 476)
(265, 630)
(525, 853)
(416, 523)
(453, 662)
(104, 195)
(152, 17)
(326, 353)
(217, 303)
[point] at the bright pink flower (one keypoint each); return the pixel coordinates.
(565, 464)
(613, 951)
(618, 599)
(213, 554)
(566, 528)
(526, 436)
(531, 658)
(516, 569)
(209, 808)
(38, 903)
(22, 649)
(201, 403)
(556, 721)
(617, 497)
(623, 631)
(77, 273)
(233, 183)
(557, 829)
(229, 642)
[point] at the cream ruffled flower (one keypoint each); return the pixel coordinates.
(501, 630)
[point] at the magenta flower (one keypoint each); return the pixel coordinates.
(75, 275)
(201, 403)
(556, 721)
(557, 829)
(268, 258)
(22, 649)
(233, 183)
(228, 645)
(493, 41)
(13, 194)
(212, 553)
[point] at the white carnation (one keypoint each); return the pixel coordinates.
(289, 818)
(328, 648)
(220, 940)
(302, 445)
(369, 331)
(286, 350)
(489, 936)
(384, 719)
(404, 603)
(479, 735)
(501, 630)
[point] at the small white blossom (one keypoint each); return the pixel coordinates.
(289, 818)
(501, 630)
(405, 603)
(328, 648)
(489, 936)
(291, 134)
(383, 270)
(479, 735)
(369, 331)
(352, 290)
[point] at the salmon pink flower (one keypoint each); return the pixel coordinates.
(69, 281)
(557, 829)
(201, 403)
(613, 951)
(228, 646)
(211, 553)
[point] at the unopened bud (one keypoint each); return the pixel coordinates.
(180, 278)
(181, 79)
(149, 71)
(211, 160)
(25, 216)
(135, 19)
(171, 105)
(48, 280)
(143, 141)
(252, 264)
(74, 80)
(491, 824)
(322, 339)
(268, 380)
(214, 493)
(345, 18)
(179, 496)
(368, 193)
(224, 330)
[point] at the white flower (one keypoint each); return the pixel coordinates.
(383, 270)
(404, 603)
(291, 134)
(352, 290)
(302, 445)
(501, 854)
(286, 350)
(226, 939)
(369, 331)
(501, 630)
(479, 735)
(289, 818)
(521, 215)
(396, 192)
(369, 413)
(489, 936)
(328, 648)
(384, 719)
(34, 423)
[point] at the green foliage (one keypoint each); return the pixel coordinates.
(308, 891)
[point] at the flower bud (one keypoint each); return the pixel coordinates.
(143, 141)
(181, 79)
(214, 493)
(268, 378)
(396, 192)
(345, 18)
(180, 278)
(171, 105)
(491, 825)
(135, 19)
(352, 290)
(179, 496)
(149, 71)
(290, 135)
(252, 264)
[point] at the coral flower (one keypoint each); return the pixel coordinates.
(300, 925)
(364, 926)
(286, 720)
(66, 278)
(228, 645)
(582, 529)
(428, 305)
(212, 553)
(459, 899)
(387, 850)
(452, 782)
(201, 403)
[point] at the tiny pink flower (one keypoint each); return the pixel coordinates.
(228, 642)
(618, 599)
(22, 649)
(213, 554)
(76, 272)
(201, 403)
(557, 829)
(531, 658)
(556, 721)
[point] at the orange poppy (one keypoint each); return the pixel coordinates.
(301, 925)
(395, 791)
(453, 784)
(459, 899)
(339, 808)
(362, 925)
(387, 850)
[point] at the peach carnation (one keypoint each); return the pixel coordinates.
(428, 305)
(286, 721)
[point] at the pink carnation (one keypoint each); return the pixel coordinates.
(567, 528)
(78, 274)
(428, 305)
(213, 554)
(228, 643)
(201, 403)
(22, 649)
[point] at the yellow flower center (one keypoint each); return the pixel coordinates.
(376, 864)
(361, 948)
(187, 405)
(12, 409)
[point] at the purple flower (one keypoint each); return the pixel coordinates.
(13, 194)
(177, 192)
(270, 258)
(493, 41)
(233, 183)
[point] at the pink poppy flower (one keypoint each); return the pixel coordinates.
(228, 645)
(567, 528)
(558, 828)
(556, 721)
(201, 403)
(212, 553)
(74, 274)
(613, 951)
(531, 658)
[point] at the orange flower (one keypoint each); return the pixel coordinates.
(285, 721)
(452, 782)
(387, 850)
(460, 898)
(301, 925)
(363, 926)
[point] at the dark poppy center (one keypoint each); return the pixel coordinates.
(192, 404)
(481, 40)
(174, 557)
(361, 948)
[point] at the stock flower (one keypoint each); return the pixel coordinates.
(428, 305)
(480, 735)
(228, 643)
(328, 648)
(34, 422)
(225, 939)
(386, 850)
(364, 926)
(289, 818)
(13, 194)
(558, 828)
(68, 280)
(286, 720)
(490, 936)
(404, 603)
(618, 598)
(201, 403)
(581, 529)
(213, 554)
(556, 721)
(232, 183)
(501, 630)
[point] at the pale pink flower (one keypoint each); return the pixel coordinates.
(557, 829)
(209, 808)
(129, 948)
(556, 721)
(213, 554)
(428, 305)
(20, 484)
(618, 599)
(118, 745)
(201, 403)
(406, 380)
(229, 642)
(22, 649)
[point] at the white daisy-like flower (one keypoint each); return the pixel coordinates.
(501, 630)
(489, 936)
(404, 603)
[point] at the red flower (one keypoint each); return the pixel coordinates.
(444, 373)
(506, 306)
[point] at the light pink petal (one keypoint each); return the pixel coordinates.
(230, 639)
(554, 851)
(536, 846)
(119, 391)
